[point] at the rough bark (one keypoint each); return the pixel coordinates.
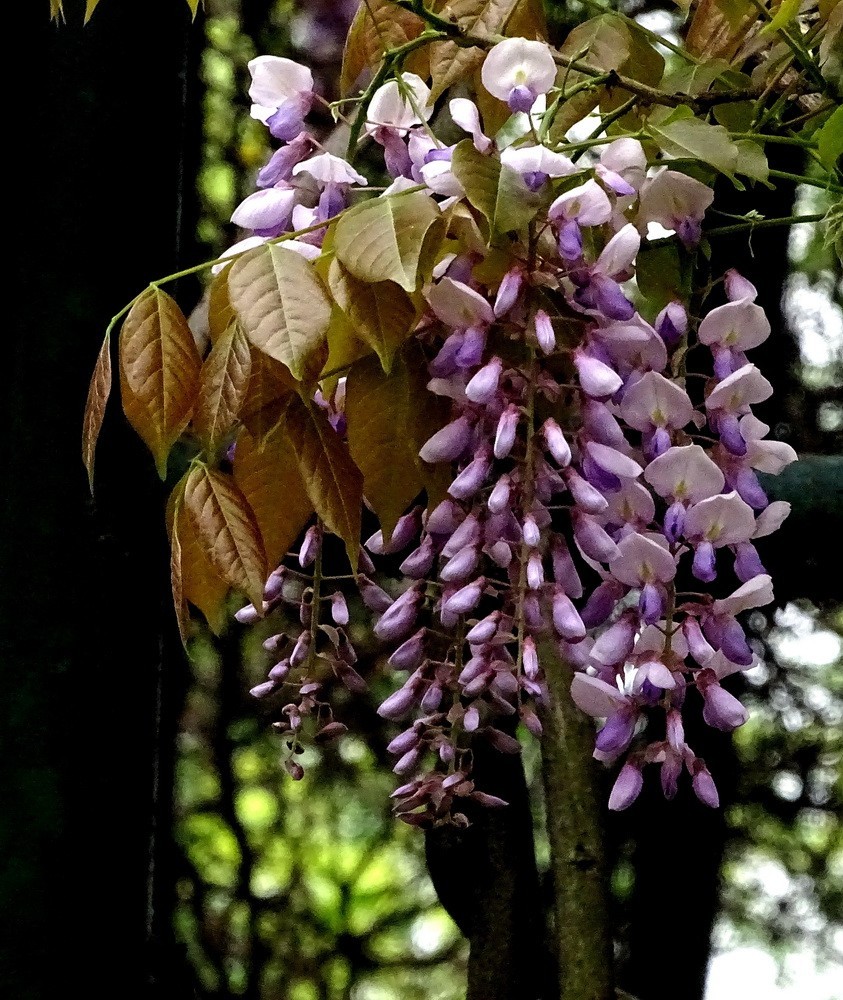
(582, 930)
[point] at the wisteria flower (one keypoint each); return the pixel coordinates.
(466, 115)
(676, 201)
(517, 70)
(282, 92)
(537, 164)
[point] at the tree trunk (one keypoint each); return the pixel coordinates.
(91, 693)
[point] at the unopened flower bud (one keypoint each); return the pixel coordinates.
(484, 384)
(556, 443)
(544, 332)
(499, 497)
(448, 443)
(627, 787)
(339, 609)
(506, 430)
(466, 598)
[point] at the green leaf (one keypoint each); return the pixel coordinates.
(381, 314)
(176, 583)
(98, 393)
(830, 140)
(268, 476)
(282, 306)
(788, 9)
(662, 274)
(332, 480)
(159, 372)
(718, 27)
(693, 78)
(752, 161)
(384, 239)
(381, 414)
(223, 389)
(227, 530)
(497, 191)
(687, 136)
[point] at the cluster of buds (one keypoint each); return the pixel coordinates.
(318, 647)
(597, 457)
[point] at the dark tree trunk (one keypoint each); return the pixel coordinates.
(92, 680)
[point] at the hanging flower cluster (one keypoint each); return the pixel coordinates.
(597, 459)
(563, 461)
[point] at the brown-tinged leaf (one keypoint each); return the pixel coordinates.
(268, 476)
(220, 310)
(176, 583)
(451, 63)
(199, 582)
(223, 388)
(344, 348)
(719, 27)
(381, 314)
(282, 306)
(380, 415)
(431, 412)
(98, 393)
(159, 372)
(377, 27)
(383, 239)
(332, 480)
(227, 530)
(269, 391)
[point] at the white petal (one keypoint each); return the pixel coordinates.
(588, 204)
(613, 461)
(275, 80)
(745, 387)
(642, 560)
(656, 401)
(248, 244)
(724, 519)
(626, 157)
(742, 325)
(459, 306)
(755, 593)
(771, 518)
(389, 106)
(685, 473)
(465, 114)
(329, 169)
(537, 159)
(595, 697)
(620, 252)
(770, 456)
(265, 209)
(517, 62)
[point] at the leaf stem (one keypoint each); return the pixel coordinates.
(791, 220)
